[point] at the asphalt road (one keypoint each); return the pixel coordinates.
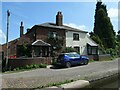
(39, 77)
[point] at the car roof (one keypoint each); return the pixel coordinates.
(69, 53)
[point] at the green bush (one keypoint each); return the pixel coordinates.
(112, 52)
(22, 68)
(30, 67)
(17, 68)
(68, 49)
(27, 67)
(42, 65)
(14, 69)
(91, 60)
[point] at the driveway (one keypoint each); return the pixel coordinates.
(39, 77)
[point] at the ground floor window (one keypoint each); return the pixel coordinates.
(92, 50)
(41, 51)
(77, 49)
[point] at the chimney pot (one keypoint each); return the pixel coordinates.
(59, 18)
(21, 23)
(21, 29)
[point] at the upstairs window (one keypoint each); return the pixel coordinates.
(52, 34)
(76, 36)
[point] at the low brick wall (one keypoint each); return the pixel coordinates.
(94, 57)
(104, 57)
(100, 57)
(21, 62)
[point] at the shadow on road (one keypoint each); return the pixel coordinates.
(60, 67)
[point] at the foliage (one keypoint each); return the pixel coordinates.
(118, 43)
(111, 51)
(96, 39)
(68, 49)
(91, 60)
(57, 42)
(30, 67)
(24, 50)
(103, 27)
(56, 84)
(118, 47)
(119, 32)
(118, 37)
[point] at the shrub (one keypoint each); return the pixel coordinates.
(14, 69)
(30, 67)
(34, 66)
(27, 67)
(17, 68)
(42, 65)
(68, 49)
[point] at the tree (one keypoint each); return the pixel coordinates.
(69, 49)
(119, 32)
(57, 43)
(96, 39)
(103, 27)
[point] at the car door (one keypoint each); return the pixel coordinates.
(77, 59)
(71, 58)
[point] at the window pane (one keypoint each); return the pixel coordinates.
(52, 34)
(75, 36)
(77, 49)
(76, 55)
(93, 50)
(70, 55)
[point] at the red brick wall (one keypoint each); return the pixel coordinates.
(99, 57)
(31, 34)
(42, 33)
(14, 63)
(13, 44)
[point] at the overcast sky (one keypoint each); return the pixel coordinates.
(75, 14)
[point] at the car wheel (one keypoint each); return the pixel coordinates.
(85, 62)
(68, 64)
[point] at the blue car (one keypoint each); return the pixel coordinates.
(69, 59)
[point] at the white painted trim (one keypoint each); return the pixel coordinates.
(41, 41)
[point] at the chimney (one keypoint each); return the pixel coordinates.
(21, 29)
(59, 19)
(28, 29)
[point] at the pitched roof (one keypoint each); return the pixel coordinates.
(40, 43)
(92, 42)
(53, 25)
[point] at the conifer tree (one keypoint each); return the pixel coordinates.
(103, 27)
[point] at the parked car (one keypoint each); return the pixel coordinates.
(69, 59)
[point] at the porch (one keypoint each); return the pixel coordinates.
(41, 49)
(92, 51)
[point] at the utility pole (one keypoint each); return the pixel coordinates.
(8, 16)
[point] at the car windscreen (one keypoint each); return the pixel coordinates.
(76, 55)
(70, 55)
(73, 55)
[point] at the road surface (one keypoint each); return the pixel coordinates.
(39, 77)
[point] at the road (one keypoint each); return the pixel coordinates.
(39, 77)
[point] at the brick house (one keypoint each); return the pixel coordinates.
(41, 39)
